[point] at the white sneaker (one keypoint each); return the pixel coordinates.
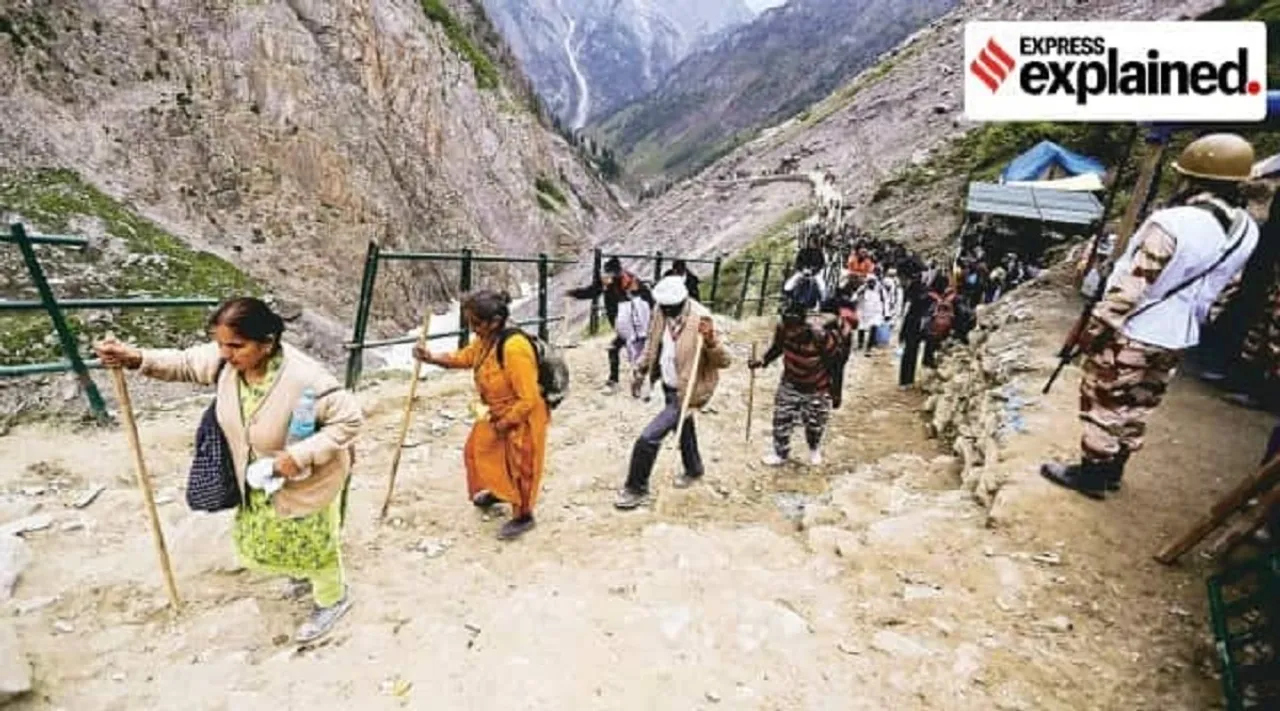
(772, 459)
(815, 457)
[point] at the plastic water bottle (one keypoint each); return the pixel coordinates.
(303, 422)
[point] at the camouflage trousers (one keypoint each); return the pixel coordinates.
(792, 407)
(1123, 382)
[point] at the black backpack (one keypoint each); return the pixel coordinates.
(553, 372)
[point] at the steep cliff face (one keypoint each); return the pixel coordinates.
(788, 58)
(589, 57)
(281, 137)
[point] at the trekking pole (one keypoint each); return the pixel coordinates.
(751, 392)
(404, 419)
(144, 483)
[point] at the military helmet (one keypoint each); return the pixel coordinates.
(1216, 156)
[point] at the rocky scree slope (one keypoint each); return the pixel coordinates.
(759, 74)
(260, 146)
(622, 48)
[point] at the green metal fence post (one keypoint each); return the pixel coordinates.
(657, 266)
(543, 332)
(355, 360)
(764, 288)
(596, 265)
(464, 286)
(65, 337)
(715, 280)
(746, 282)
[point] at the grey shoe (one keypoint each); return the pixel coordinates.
(296, 589)
(323, 619)
(628, 500)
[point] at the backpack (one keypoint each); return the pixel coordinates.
(553, 372)
(941, 317)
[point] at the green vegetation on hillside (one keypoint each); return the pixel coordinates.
(154, 263)
(546, 186)
(775, 245)
(485, 71)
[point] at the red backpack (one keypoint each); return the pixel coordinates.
(942, 315)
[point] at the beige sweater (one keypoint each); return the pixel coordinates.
(712, 359)
(338, 420)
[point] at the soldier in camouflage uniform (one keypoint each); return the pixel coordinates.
(1160, 290)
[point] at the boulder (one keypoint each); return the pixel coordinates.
(15, 671)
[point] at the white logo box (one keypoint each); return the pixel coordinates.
(994, 56)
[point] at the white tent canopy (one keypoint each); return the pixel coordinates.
(1087, 182)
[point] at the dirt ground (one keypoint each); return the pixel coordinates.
(871, 582)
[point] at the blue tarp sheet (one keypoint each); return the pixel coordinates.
(1033, 164)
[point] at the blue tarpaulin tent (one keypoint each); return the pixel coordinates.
(1036, 163)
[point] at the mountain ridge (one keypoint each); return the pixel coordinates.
(788, 58)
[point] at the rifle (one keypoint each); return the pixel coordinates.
(1146, 179)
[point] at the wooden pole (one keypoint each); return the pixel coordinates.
(1244, 527)
(144, 483)
(688, 393)
(404, 419)
(1222, 509)
(1146, 180)
(751, 392)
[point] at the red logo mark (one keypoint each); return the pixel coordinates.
(993, 65)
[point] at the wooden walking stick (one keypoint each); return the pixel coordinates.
(751, 392)
(688, 393)
(405, 417)
(144, 483)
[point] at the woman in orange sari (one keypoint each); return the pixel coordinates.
(505, 452)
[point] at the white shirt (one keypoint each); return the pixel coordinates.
(633, 319)
(670, 376)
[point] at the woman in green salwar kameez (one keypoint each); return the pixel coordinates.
(294, 531)
(305, 549)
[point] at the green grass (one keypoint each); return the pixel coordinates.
(775, 245)
(546, 186)
(48, 201)
(486, 72)
(546, 203)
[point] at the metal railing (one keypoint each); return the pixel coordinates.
(73, 362)
(712, 301)
(465, 258)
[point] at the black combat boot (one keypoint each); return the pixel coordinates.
(1115, 470)
(1088, 478)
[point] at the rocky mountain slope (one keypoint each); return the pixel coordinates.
(769, 70)
(895, 129)
(260, 146)
(586, 58)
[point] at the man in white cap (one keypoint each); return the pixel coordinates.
(670, 332)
